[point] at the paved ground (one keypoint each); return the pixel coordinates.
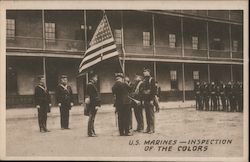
(180, 124)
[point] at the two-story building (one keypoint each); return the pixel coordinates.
(180, 47)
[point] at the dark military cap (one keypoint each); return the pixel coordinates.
(119, 75)
(63, 76)
(146, 69)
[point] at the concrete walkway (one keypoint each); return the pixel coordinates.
(19, 113)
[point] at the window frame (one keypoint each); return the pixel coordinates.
(172, 40)
(146, 42)
(10, 32)
(51, 26)
(195, 43)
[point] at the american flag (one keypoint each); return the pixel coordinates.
(102, 46)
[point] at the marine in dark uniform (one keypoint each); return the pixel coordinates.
(137, 105)
(222, 95)
(204, 96)
(198, 97)
(213, 97)
(120, 91)
(228, 94)
(148, 93)
(93, 102)
(233, 97)
(43, 103)
(127, 81)
(65, 101)
(240, 96)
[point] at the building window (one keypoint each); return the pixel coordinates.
(118, 36)
(173, 80)
(235, 45)
(195, 43)
(146, 39)
(196, 75)
(172, 41)
(11, 29)
(50, 32)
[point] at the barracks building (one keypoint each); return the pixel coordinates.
(180, 47)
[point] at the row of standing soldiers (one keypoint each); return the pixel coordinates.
(219, 96)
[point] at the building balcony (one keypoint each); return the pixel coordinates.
(38, 44)
(189, 52)
(225, 54)
(237, 55)
(167, 51)
(139, 49)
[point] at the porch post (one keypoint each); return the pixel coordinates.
(154, 49)
(183, 82)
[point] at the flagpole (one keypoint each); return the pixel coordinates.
(86, 40)
(123, 50)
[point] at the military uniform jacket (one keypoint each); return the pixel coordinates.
(135, 90)
(42, 97)
(93, 95)
(121, 92)
(64, 95)
(147, 89)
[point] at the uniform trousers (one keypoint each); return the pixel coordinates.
(92, 114)
(42, 118)
(150, 116)
(64, 114)
(138, 116)
(124, 112)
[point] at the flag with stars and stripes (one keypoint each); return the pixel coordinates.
(102, 46)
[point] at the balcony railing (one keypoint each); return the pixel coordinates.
(219, 54)
(238, 54)
(195, 52)
(71, 46)
(163, 50)
(65, 45)
(147, 50)
(37, 43)
(25, 42)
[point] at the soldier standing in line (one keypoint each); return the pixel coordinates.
(228, 93)
(120, 91)
(148, 93)
(240, 97)
(233, 99)
(137, 105)
(93, 102)
(43, 103)
(198, 98)
(206, 95)
(218, 99)
(64, 98)
(222, 95)
(213, 97)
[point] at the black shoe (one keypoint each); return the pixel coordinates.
(47, 130)
(91, 135)
(66, 128)
(150, 132)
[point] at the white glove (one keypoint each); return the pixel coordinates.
(59, 104)
(87, 100)
(97, 107)
(38, 106)
(50, 105)
(71, 104)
